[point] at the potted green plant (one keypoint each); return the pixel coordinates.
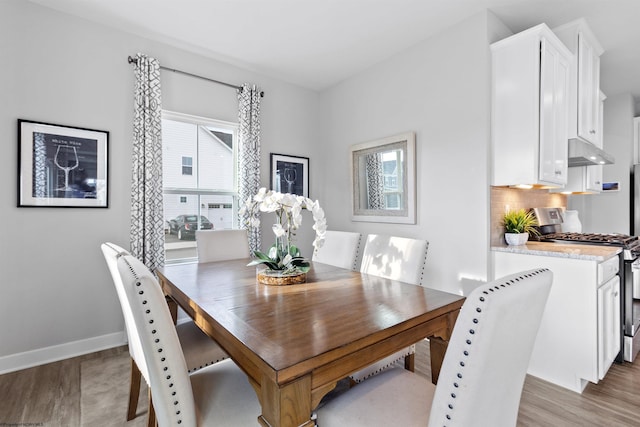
(518, 225)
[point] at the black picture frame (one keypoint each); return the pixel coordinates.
(62, 166)
(290, 174)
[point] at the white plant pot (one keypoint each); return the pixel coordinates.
(516, 239)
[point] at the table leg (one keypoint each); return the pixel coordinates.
(173, 308)
(437, 349)
(288, 405)
(438, 346)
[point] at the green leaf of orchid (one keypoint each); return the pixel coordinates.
(271, 265)
(294, 251)
(262, 256)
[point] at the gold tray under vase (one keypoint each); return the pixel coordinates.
(276, 278)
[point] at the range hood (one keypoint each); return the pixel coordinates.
(582, 153)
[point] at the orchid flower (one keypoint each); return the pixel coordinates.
(283, 255)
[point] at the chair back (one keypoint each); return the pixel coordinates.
(340, 249)
(486, 362)
(170, 385)
(395, 258)
(222, 245)
(111, 254)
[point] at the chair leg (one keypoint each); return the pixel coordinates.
(410, 362)
(151, 414)
(134, 391)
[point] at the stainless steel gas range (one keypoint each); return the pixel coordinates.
(550, 219)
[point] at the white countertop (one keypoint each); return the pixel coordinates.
(563, 250)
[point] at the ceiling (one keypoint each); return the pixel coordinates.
(318, 43)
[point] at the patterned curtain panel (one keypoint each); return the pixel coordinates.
(147, 219)
(249, 154)
(39, 165)
(375, 181)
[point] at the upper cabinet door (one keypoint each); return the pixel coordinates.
(554, 86)
(584, 90)
(588, 91)
(530, 77)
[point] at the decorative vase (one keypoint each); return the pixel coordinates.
(516, 239)
(279, 278)
(571, 223)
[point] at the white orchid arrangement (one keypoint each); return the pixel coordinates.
(284, 256)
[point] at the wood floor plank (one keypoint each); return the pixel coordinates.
(47, 394)
(614, 401)
(50, 394)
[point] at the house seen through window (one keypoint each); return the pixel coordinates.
(187, 165)
(199, 177)
(392, 166)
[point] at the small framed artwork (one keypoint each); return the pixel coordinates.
(290, 174)
(62, 166)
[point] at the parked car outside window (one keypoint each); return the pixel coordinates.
(185, 226)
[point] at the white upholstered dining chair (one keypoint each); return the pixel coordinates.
(219, 394)
(340, 249)
(199, 349)
(482, 374)
(222, 245)
(397, 258)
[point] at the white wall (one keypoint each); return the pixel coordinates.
(57, 296)
(68, 71)
(438, 89)
(610, 212)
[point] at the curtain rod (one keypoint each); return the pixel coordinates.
(133, 60)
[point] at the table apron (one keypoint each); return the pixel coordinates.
(354, 361)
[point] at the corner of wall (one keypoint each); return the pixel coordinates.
(496, 29)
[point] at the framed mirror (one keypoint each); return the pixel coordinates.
(383, 180)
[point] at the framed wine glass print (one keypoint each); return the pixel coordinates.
(62, 166)
(290, 174)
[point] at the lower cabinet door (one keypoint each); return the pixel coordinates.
(608, 324)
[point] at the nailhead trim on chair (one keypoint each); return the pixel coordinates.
(469, 341)
(190, 369)
(354, 267)
(382, 368)
(424, 263)
(197, 368)
(159, 349)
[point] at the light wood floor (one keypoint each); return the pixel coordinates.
(49, 395)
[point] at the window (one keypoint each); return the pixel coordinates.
(199, 179)
(391, 169)
(187, 165)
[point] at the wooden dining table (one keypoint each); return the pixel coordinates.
(296, 342)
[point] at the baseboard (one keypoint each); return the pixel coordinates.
(29, 359)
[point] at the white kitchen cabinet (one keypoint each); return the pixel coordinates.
(586, 179)
(594, 174)
(608, 324)
(575, 342)
(530, 82)
(583, 180)
(585, 80)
